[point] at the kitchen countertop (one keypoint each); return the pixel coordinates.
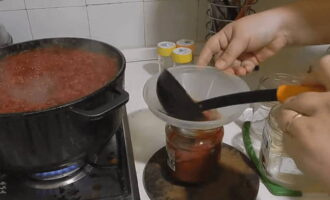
(147, 131)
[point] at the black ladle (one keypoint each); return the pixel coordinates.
(178, 103)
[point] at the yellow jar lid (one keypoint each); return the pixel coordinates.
(165, 48)
(182, 55)
(186, 43)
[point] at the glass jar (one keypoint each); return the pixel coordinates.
(261, 110)
(278, 165)
(193, 154)
(164, 50)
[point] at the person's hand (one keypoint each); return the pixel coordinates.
(305, 120)
(243, 44)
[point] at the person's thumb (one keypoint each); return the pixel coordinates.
(235, 49)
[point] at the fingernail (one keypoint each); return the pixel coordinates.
(220, 64)
(229, 71)
(256, 68)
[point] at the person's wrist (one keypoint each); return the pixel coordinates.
(299, 22)
(283, 24)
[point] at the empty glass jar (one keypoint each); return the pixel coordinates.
(278, 165)
(261, 110)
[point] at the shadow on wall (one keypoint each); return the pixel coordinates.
(5, 38)
(267, 4)
(151, 68)
(147, 133)
(170, 20)
(295, 60)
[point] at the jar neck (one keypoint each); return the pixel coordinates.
(193, 132)
(272, 120)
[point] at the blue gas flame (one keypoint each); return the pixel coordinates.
(57, 172)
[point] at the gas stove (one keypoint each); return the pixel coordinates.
(111, 177)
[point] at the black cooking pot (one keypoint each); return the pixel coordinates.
(59, 136)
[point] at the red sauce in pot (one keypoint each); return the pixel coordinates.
(46, 77)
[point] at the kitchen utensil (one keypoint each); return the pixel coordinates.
(175, 99)
(53, 138)
(245, 8)
(223, 12)
(231, 11)
(179, 104)
(200, 83)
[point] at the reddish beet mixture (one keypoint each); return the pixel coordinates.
(197, 162)
(46, 77)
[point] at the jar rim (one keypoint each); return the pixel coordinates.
(194, 132)
(278, 79)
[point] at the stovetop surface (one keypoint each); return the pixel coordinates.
(112, 177)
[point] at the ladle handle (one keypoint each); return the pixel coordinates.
(280, 94)
(286, 91)
(239, 98)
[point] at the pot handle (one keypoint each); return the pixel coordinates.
(100, 111)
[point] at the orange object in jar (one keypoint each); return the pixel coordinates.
(193, 154)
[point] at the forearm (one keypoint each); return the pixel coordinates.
(305, 22)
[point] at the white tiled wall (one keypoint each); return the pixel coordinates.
(132, 24)
(53, 3)
(118, 24)
(122, 23)
(12, 5)
(56, 22)
(91, 2)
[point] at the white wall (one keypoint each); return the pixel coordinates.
(123, 23)
(132, 24)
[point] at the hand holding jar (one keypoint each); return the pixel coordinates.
(305, 119)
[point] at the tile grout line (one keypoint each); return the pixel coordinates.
(144, 24)
(5, 10)
(88, 21)
(44, 8)
(122, 2)
(93, 4)
(28, 18)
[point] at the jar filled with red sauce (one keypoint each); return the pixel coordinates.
(193, 154)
